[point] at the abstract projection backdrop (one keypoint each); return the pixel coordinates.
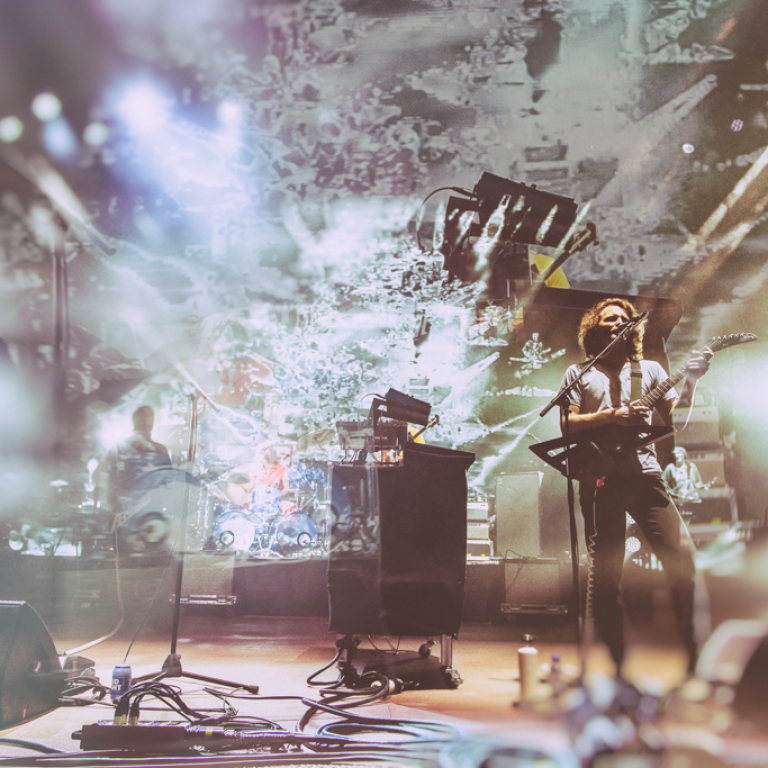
(227, 197)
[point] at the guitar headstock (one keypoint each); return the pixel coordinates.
(716, 343)
(582, 240)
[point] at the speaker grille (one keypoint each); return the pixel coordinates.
(518, 523)
(533, 586)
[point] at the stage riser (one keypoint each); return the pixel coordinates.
(64, 591)
(61, 589)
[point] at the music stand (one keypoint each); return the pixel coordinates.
(172, 664)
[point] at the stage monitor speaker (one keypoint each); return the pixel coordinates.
(736, 653)
(31, 678)
(518, 517)
(726, 652)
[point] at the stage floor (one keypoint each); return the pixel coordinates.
(278, 654)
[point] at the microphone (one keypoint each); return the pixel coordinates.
(634, 323)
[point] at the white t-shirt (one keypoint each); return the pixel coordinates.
(593, 394)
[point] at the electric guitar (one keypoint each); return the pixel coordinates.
(594, 453)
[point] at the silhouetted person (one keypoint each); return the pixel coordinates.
(127, 465)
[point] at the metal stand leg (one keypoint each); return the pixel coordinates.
(172, 664)
(446, 650)
(451, 675)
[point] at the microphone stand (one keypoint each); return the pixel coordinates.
(172, 664)
(561, 400)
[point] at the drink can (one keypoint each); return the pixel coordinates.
(121, 681)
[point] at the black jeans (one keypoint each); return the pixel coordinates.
(645, 499)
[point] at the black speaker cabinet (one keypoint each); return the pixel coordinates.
(711, 466)
(31, 678)
(717, 505)
(399, 544)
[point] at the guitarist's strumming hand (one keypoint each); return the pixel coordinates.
(630, 414)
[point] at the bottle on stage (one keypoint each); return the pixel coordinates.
(528, 664)
(121, 681)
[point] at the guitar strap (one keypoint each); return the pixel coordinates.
(636, 381)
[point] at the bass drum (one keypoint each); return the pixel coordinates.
(293, 534)
(155, 511)
(145, 533)
(234, 530)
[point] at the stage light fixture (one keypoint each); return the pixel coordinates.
(96, 134)
(143, 108)
(46, 106)
(59, 139)
(11, 129)
(535, 217)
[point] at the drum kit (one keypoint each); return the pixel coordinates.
(279, 536)
(285, 520)
(291, 524)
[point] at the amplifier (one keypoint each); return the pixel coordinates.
(534, 585)
(480, 548)
(478, 531)
(703, 426)
(711, 466)
(717, 505)
(478, 511)
(518, 515)
(208, 578)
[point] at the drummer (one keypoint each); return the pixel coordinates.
(262, 485)
(127, 463)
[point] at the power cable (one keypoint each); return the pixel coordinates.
(119, 588)
(33, 745)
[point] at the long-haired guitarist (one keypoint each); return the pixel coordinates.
(606, 396)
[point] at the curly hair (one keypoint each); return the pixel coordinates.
(588, 325)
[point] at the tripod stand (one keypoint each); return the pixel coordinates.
(172, 664)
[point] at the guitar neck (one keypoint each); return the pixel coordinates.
(653, 397)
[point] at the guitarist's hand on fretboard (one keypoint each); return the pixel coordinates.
(698, 364)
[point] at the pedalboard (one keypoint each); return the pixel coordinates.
(146, 737)
(169, 737)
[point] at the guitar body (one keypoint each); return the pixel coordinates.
(593, 454)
